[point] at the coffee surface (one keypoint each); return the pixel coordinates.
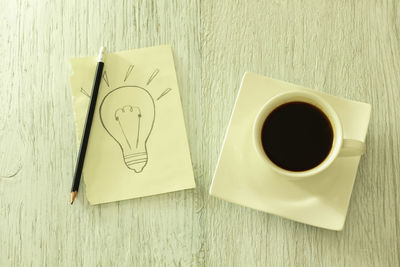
(297, 136)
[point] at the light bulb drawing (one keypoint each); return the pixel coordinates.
(127, 114)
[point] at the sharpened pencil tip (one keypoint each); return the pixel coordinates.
(73, 196)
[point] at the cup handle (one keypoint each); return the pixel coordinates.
(351, 147)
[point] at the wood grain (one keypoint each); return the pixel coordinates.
(346, 48)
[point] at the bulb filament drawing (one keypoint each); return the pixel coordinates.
(134, 121)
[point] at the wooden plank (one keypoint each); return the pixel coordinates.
(349, 49)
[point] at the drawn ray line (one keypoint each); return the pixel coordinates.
(128, 72)
(105, 78)
(166, 91)
(153, 75)
(84, 92)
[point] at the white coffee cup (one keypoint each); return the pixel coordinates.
(340, 147)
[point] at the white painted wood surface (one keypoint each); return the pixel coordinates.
(347, 48)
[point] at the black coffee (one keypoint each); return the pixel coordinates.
(297, 136)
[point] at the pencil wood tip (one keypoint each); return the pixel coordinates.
(73, 196)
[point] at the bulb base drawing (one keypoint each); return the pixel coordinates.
(136, 161)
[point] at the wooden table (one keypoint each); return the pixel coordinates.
(346, 48)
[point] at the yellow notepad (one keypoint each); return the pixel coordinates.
(138, 144)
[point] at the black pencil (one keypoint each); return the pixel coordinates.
(88, 124)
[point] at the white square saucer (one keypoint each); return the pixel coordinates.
(242, 177)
